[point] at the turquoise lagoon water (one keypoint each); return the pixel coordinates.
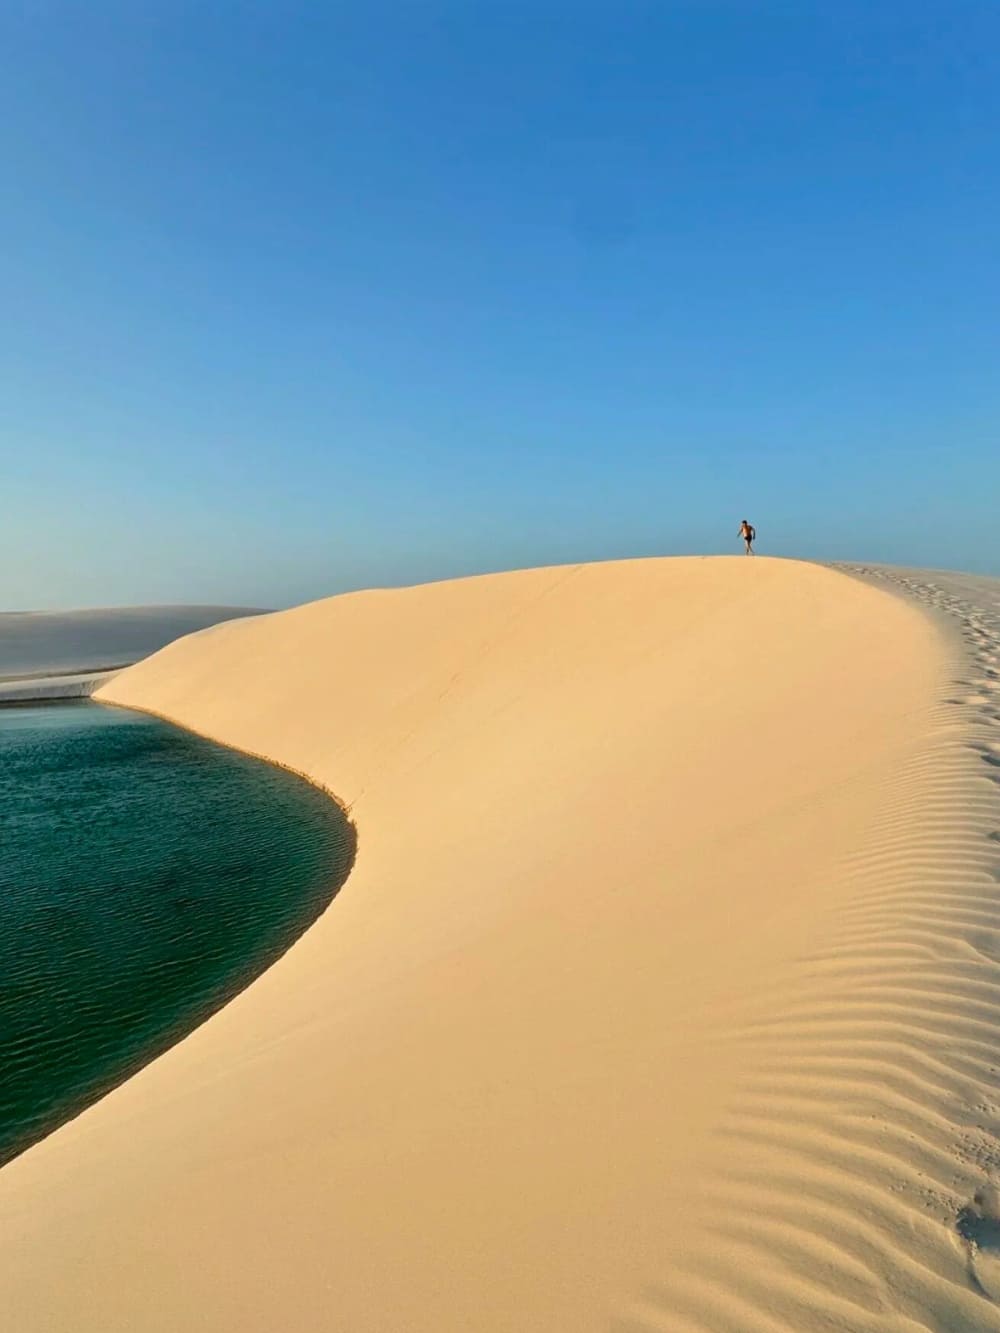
(146, 876)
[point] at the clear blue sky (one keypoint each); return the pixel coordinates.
(305, 297)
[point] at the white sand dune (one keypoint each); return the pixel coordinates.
(61, 654)
(663, 994)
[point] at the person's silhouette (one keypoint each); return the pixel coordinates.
(749, 533)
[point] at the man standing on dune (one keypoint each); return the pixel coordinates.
(749, 533)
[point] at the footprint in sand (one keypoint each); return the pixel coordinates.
(978, 1224)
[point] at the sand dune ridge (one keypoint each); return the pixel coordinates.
(661, 996)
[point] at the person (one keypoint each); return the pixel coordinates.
(749, 533)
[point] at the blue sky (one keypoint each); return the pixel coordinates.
(302, 298)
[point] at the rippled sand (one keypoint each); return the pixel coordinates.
(663, 995)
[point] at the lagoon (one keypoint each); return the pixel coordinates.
(146, 877)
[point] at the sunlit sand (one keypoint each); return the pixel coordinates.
(662, 995)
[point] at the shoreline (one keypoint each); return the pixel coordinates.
(223, 861)
(68, 654)
(238, 749)
(55, 689)
(597, 1025)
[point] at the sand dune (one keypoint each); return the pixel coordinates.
(55, 642)
(65, 654)
(662, 995)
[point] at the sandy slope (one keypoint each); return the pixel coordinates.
(52, 642)
(65, 654)
(655, 1000)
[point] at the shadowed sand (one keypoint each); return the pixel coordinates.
(655, 1001)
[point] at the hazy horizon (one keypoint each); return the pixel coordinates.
(71, 611)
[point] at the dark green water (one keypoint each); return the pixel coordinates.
(146, 876)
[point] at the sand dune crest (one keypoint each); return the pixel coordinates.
(660, 997)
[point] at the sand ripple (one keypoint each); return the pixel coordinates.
(663, 995)
(859, 1163)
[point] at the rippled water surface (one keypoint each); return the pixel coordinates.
(146, 876)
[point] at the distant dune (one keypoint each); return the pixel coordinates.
(50, 653)
(663, 994)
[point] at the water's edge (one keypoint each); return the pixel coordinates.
(155, 1031)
